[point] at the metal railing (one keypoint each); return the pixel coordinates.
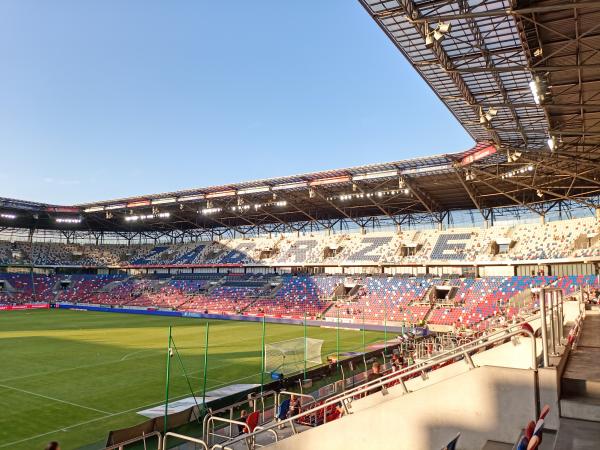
(384, 382)
(310, 398)
(143, 437)
(458, 352)
(183, 438)
(253, 401)
(210, 432)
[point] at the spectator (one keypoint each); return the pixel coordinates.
(339, 410)
(375, 371)
(243, 415)
(294, 406)
(53, 446)
(374, 375)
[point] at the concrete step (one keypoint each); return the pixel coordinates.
(576, 387)
(581, 377)
(590, 336)
(577, 435)
(583, 408)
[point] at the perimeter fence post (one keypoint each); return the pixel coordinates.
(167, 380)
(337, 339)
(305, 351)
(205, 366)
(385, 302)
(262, 356)
(544, 327)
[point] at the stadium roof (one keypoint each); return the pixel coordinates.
(518, 75)
(483, 55)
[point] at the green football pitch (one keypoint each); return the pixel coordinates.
(73, 376)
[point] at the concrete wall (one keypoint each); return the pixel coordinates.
(483, 403)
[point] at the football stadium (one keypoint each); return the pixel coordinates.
(444, 301)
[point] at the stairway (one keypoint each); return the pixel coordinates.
(113, 284)
(580, 384)
(327, 308)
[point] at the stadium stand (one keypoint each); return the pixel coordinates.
(457, 302)
(296, 296)
(559, 240)
(379, 296)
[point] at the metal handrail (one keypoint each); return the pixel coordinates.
(576, 332)
(424, 366)
(278, 398)
(491, 336)
(232, 406)
(212, 419)
(395, 376)
(184, 438)
(442, 357)
(259, 428)
(280, 393)
(143, 437)
(236, 422)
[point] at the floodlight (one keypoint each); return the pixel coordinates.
(438, 36)
(444, 27)
(488, 116)
(429, 40)
(535, 91)
(512, 158)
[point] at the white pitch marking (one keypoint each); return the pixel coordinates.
(84, 366)
(136, 352)
(137, 408)
(53, 399)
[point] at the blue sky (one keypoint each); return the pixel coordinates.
(112, 98)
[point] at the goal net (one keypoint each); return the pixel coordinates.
(288, 356)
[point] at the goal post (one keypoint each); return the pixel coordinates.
(289, 356)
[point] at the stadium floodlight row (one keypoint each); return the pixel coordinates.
(486, 179)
